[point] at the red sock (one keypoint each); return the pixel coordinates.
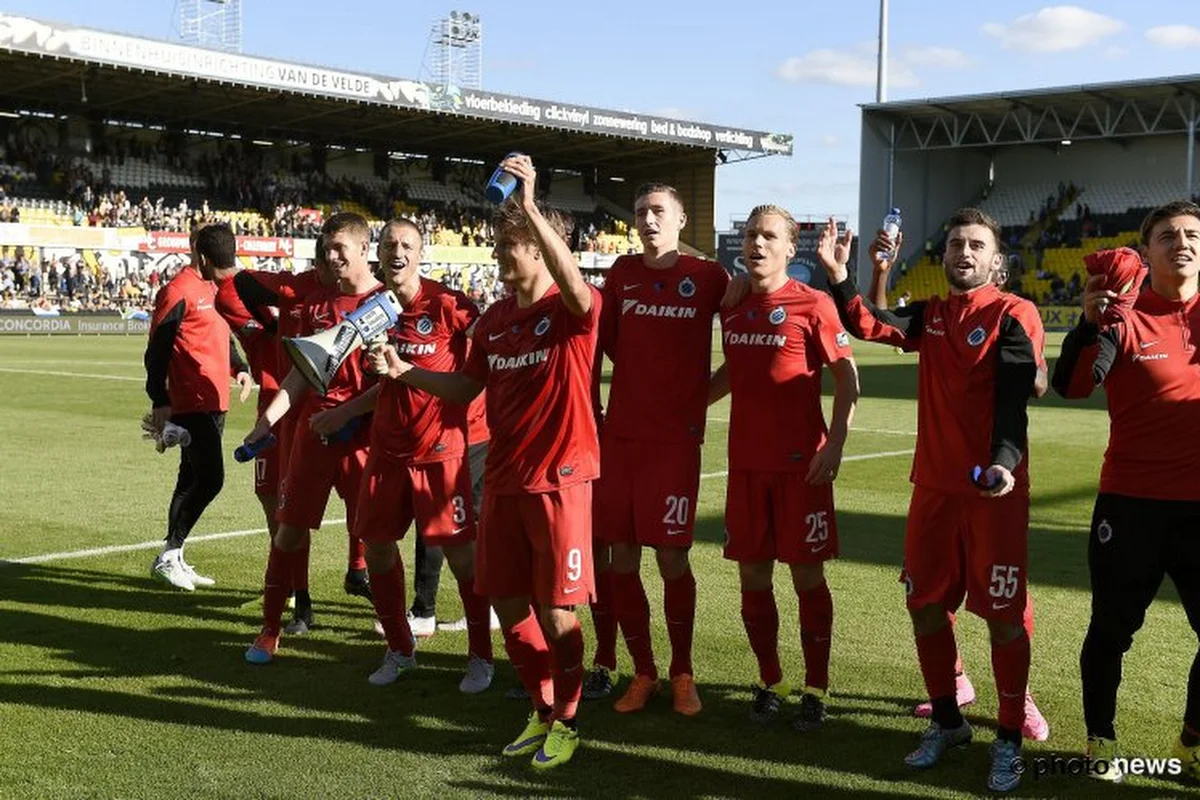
(479, 620)
(1010, 664)
(959, 669)
(936, 653)
(816, 634)
(530, 657)
(761, 618)
(356, 557)
(566, 664)
(387, 595)
(679, 606)
(277, 585)
(1027, 619)
(633, 612)
(604, 619)
(300, 566)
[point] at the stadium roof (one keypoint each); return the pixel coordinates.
(1092, 111)
(47, 67)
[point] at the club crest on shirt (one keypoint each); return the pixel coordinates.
(542, 326)
(777, 315)
(687, 287)
(424, 326)
(976, 337)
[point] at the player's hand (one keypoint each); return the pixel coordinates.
(328, 422)
(834, 253)
(883, 250)
(522, 167)
(396, 366)
(261, 430)
(736, 291)
(246, 382)
(376, 360)
(999, 479)
(160, 416)
(825, 465)
(1096, 300)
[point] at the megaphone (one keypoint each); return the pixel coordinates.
(319, 356)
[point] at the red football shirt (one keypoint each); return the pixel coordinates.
(979, 354)
(410, 425)
(320, 311)
(775, 345)
(284, 290)
(536, 364)
(657, 329)
(259, 342)
(199, 369)
(1151, 375)
(477, 426)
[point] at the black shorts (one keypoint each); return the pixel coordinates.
(1134, 543)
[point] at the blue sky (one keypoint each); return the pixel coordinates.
(799, 67)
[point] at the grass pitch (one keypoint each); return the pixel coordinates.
(111, 686)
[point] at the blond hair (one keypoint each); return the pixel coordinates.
(764, 210)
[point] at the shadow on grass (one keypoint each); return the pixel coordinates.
(193, 675)
(1056, 558)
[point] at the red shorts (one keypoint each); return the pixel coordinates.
(972, 546)
(647, 493)
(437, 496)
(779, 516)
(267, 464)
(266, 471)
(538, 545)
(313, 469)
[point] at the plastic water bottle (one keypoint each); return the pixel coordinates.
(247, 452)
(502, 183)
(892, 224)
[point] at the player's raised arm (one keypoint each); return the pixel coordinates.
(576, 292)
(1088, 352)
(862, 318)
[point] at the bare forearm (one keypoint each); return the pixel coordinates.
(362, 404)
(291, 391)
(454, 387)
(561, 262)
(845, 399)
(718, 384)
(879, 289)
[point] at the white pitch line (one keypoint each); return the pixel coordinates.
(73, 374)
(83, 361)
(129, 548)
(208, 537)
(887, 431)
(90, 375)
(860, 457)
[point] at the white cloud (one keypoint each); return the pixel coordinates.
(1054, 29)
(1116, 51)
(1174, 36)
(941, 57)
(842, 69)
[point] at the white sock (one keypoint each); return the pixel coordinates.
(171, 554)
